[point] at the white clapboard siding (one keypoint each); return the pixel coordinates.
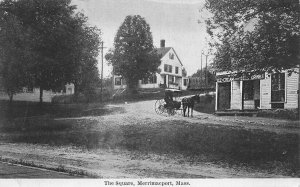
(292, 84)
(248, 104)
(265, 92)
(236, 96)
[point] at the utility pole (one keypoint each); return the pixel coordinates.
(201, 67)
(206, 81)
(206, 78)
(102, 70)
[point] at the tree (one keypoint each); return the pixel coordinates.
(13, 54)
(133, 56)
(62, 47)
(85, 50)
(254, 34)
(184, 73)
(210, 78)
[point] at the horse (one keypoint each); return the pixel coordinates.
(188, 103)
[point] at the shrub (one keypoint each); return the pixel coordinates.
(86, 96)
(206, 105)
(62, 99)
(144, 94)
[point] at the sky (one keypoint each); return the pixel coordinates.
(175, 21)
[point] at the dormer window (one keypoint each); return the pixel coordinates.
(171, 56)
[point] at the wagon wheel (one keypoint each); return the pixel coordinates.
(160, 106)
(172, 111)
(179, 112)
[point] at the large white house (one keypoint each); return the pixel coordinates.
(169, 75)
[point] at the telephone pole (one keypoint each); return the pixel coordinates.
(206, 55)
(201, 68)
(206, 81)
(102, 47)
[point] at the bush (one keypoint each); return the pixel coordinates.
(61, 99)
(85, 97)
(291, 114)
(133, 97)
(206, 105)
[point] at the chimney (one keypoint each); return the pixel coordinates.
(162, 43)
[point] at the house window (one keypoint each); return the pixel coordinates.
(30, 89)
(145, 81)
(172, 79)
(153, 79)
(248, 91)
(176, 70)
(185, 82)
(118, 81)
(168, 68)
(171, 56)
(278, 87)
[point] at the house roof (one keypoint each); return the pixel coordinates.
(163, 51)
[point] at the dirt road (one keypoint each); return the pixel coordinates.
(135, 142)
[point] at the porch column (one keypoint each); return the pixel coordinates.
(167, 81)
(236, 99)
(242, 95)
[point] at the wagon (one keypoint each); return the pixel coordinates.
(171, 104)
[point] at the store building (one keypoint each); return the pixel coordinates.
(253, 91)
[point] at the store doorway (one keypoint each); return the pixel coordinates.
(224, 96)
(251, 94)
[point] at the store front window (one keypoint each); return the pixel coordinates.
(278, 87)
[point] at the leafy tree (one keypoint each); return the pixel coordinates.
(207, 76)
(254, 34)
(85, 50)
(184, 73)
(13, 54)
(62, 47)
(133, 56)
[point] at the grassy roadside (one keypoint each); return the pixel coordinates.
(224, 145)
(78, 173)
(19, 109)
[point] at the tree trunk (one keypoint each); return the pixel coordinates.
(76, 89)
(132, 86)
(41, 95)
(298, 93)
(11, 95)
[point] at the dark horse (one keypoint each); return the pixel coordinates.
(188, 103)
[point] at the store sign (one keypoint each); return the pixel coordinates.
(240, 77)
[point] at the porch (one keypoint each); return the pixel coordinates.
(171, 81)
